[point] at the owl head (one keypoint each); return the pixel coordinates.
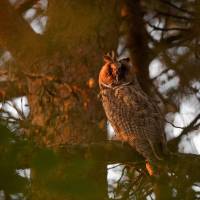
(115, 72)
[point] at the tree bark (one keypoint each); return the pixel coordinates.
(137, 41)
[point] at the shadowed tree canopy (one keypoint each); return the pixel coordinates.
(52, 121)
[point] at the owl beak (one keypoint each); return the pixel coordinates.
(117, 77)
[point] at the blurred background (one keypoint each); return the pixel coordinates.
(51, 119)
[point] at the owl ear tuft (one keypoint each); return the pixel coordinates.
(107, 58)
(110, 57)
(113, 56)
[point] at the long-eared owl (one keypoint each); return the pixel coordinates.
(134, 116)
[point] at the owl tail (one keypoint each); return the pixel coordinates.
(155, 150)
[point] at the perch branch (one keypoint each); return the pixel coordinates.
(109, 152)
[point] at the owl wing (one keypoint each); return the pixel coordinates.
(140, 119)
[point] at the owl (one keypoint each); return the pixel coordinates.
(134, 116)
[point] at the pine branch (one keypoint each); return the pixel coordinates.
(167, 29)
(173, 16)
(176, 7)
(192, 126)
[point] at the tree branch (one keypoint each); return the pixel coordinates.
(173, 16)
(176, 7)
(160, 74)
(169, 42)
(108, 151)
(24, 153)
(174, 142)
(167, 29)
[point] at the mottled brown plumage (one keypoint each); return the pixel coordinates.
(134, 116)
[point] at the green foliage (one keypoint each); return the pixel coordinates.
(44, 161)
(10, 181)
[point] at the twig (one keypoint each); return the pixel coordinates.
(175, 125)
(122, 174)
(174, 142)
(190, 126)
(161, 73)
(177, 8)
(196, 126)
(114, 166)
(174, 16)
(167, 29)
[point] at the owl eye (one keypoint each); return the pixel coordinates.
(122, 72)
(109, 70)
(123, 67)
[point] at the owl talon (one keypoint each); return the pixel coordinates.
(149, 168)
